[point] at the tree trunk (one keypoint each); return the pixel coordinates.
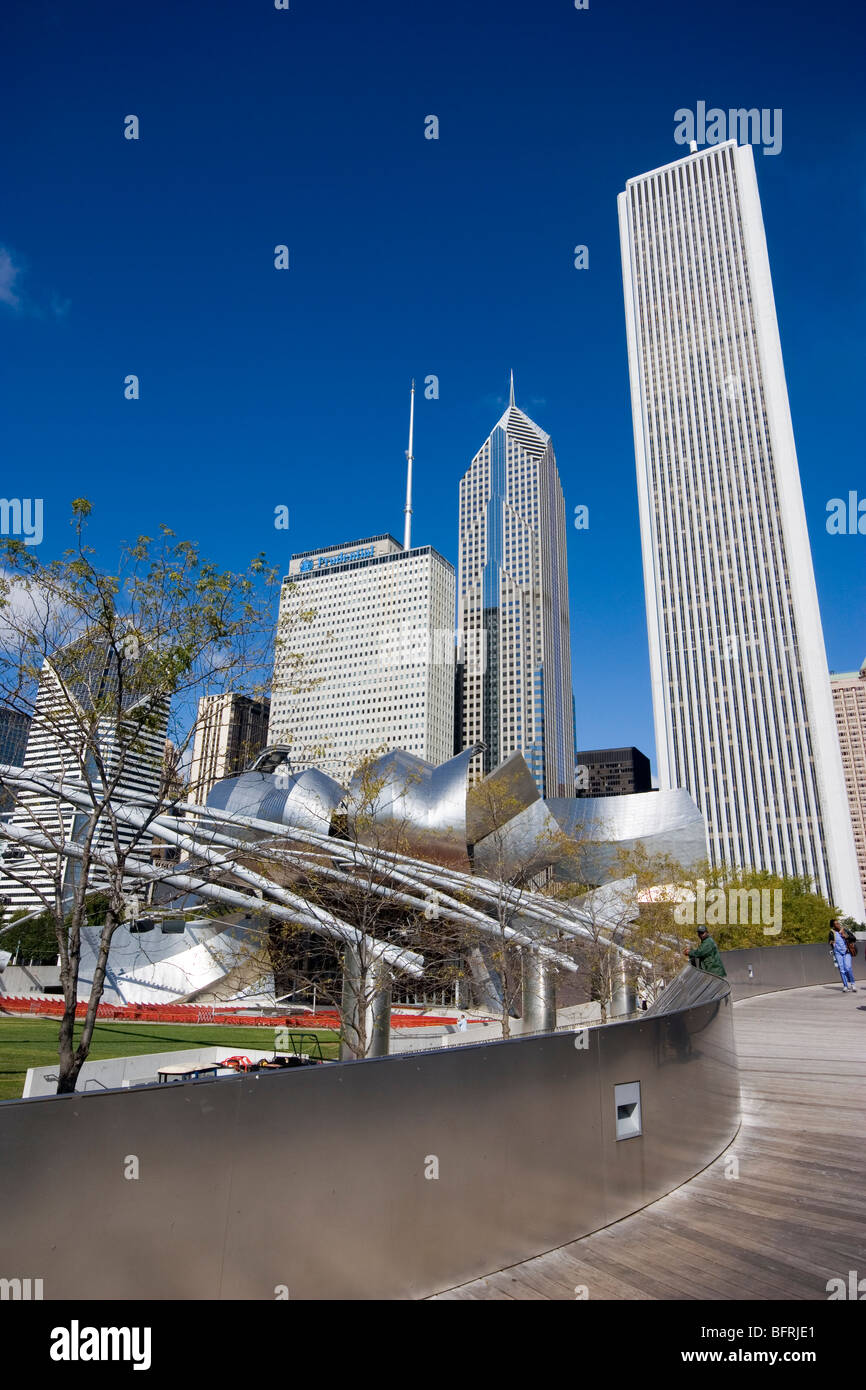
(71, 1061)
(68, 1071)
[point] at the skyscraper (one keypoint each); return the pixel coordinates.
(513, 593)
(74, 685)
(230, 730)
(613, 772)
(743, 711)
(849, 699)
(376, 660)
(14, 729)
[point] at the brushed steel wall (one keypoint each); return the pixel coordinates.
(388, 1178)
(763, 969)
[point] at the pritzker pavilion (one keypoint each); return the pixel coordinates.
(436, 849)
(407, 1175)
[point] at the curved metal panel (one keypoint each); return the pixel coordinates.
(424, 806)
(505, 792)
(528, 842)
(283, 1178)
(303, 800)
(163, 967)
(691, 986)
(765, 969)
(663, 822)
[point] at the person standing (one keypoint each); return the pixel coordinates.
(842, 956)
(707, 956)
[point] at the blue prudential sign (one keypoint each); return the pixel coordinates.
(345, 557)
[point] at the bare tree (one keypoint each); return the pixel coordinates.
(633, 945)
(514, 868)
(341, 874)
(107, 662)
(600, 914)
(652, 933)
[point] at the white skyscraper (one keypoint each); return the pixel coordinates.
(377, 659)
(71, 687)
(513, 587)
(743, 711)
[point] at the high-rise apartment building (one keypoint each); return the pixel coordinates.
(743, 710)
(613, 772)
(14, 729)
(230, 730)
(513, 595)
(849, 700)
(73, 686)
(374, 667)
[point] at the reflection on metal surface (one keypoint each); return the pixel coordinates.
(414, 824)
(283, 1178)
(423, 805)
(691, 986)
(503, 794)
(303, 800)
(764, 969)
(525, 844)
(663, 822)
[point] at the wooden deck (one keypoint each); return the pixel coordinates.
(795, 1216)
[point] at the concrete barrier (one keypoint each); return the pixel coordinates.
(115, 1072)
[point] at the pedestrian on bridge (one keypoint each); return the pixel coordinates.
(842, 955)
(707, 956)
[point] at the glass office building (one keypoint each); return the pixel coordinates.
(513, 606)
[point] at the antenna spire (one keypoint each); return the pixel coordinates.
(511, 398)
(407, 510)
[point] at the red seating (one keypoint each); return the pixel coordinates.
(217, 1014)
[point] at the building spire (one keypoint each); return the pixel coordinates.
(407, 510)
(511, 397)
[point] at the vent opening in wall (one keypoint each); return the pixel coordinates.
(627, 1102)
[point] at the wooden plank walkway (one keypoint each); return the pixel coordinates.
(793, 1218)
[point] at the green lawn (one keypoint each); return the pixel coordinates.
(32, 1042)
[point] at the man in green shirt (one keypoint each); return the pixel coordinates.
(706, 956)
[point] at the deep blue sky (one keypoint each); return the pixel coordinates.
(408, 257)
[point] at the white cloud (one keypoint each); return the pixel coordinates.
(44, 303)
(9, 273)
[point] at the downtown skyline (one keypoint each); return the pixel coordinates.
(255, 385)
(434, 872)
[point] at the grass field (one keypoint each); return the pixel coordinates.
(32, 1042)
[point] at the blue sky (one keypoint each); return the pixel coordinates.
(408, 257)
